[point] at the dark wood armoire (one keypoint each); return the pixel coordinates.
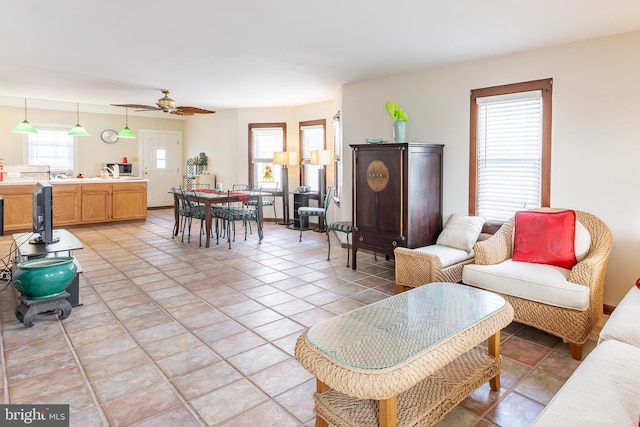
(397, 196)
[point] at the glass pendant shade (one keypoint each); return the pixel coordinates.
(25, 126)
(126, 132)
(78, 130)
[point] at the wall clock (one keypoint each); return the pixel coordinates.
(109, 136)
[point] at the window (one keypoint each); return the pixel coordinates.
(510, 149)
(337, 157)
(53, 147)
(312, 137)
(264, 140)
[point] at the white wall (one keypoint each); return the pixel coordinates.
(595, 133)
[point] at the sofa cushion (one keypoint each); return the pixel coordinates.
(603, 391)
(543, 283)
(461, 232)
(545, 238)
(448, 255)
(624, 323)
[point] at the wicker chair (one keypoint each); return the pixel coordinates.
(573, 326)
(421, 266)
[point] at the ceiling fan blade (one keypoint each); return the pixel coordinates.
(138, 106)
(189, 111)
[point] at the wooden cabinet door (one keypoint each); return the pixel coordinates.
(378, 193)
(129, 201)
(96, 202)
(66, 205)
(17, 207)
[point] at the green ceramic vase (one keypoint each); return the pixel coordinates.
(44, 277)
(400, 130)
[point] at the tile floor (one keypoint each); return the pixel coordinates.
(175, 334)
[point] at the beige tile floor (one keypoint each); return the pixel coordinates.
(175, 334)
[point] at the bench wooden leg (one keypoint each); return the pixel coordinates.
(388, 412)
(576, 351)
(494, 350)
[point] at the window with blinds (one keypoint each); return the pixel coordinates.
(312, 137)
(265, 139)
(337, 159)
(52, 147)
(512, 142)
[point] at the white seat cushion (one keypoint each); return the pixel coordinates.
(543, 283)
(448, 255)
(624, 323)
(603, 391)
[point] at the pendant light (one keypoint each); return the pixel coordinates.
(78, 130)
(25, 126)
(126, 132)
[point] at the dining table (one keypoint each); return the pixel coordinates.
(209, 197)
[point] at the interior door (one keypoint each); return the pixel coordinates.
(161, 165)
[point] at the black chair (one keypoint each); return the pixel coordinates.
(305, 211)
(192, 210)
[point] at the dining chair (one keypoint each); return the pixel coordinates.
(229, 213)
(192, 210)
(320, 212)
(181, 210)
(269, 190)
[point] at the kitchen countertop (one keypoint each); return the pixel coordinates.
(95, 180)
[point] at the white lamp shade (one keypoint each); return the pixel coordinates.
(280, 158)
(321, 157)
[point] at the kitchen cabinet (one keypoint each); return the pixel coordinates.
(96, 203)
(397, 196)
(76, 203)
(129, 200)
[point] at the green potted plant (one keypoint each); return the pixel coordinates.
(400, 121)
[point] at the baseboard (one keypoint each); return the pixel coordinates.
(607, 309)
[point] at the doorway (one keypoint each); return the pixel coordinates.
(161, 164)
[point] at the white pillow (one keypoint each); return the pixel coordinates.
(461, 232)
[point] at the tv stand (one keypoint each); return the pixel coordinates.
(64, 245)
(37, 240)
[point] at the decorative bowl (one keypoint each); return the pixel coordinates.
(44, 277)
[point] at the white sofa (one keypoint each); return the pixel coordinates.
(605, 389)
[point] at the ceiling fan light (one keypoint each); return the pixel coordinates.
(126, 133)
(25, 126)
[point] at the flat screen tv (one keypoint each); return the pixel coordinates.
(42, 214)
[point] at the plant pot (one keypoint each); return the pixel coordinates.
(400, 130)
(44, 277)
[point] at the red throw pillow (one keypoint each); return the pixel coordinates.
(545, 238)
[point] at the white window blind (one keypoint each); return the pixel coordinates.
(312, 138)
(509, 154)
(337, 149)
(266, 141)
(52, 147)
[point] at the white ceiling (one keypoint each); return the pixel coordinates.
(257, 53)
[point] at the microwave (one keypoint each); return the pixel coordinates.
(124, 168)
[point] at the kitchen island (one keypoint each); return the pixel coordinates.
(77, 201)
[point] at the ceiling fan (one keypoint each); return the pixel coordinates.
(168, 105)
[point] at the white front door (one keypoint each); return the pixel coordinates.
(161, 164)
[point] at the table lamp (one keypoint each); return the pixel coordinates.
(285, 159)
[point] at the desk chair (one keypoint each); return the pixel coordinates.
(305, 211)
